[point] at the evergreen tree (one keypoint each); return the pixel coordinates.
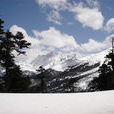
(8, 44)
(42, 76)
(102, 82)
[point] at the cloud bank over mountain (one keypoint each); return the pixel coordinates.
(53, 40)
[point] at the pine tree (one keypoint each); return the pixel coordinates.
(41, 76)
(8, 44)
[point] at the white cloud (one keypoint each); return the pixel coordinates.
(54, 16)
(90, 17)
(93, 3)
(55, 4)
(52, 40)
(93, 46)
(110, 25)
(47, 40)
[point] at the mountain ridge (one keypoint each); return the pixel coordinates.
(60, 62)
(63, 70)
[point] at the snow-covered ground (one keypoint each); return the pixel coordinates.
(77, 103)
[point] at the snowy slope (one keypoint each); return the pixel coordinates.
(83, 83)
(59, 61)
(78, 103)
(95, 58)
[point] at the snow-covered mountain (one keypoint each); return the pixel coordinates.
(59, 61)
(66, 68)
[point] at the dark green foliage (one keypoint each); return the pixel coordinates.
(1, 28)
(111, 57)
(13, 80)
(20, 43)
(102, 82)
(42, 77)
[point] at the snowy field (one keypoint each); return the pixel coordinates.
(78, 103)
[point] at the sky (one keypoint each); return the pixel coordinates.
(83, 26)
